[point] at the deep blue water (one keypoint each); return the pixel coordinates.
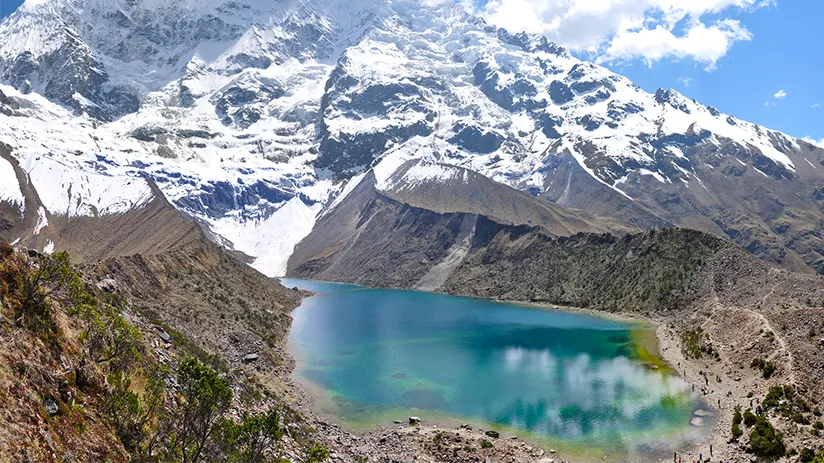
(567, 377)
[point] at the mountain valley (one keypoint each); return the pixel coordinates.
(186, 153)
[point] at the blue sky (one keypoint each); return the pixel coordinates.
(785, 53)
(767, 66)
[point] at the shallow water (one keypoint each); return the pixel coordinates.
(565, 378)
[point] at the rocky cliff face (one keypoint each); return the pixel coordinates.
(238, 109)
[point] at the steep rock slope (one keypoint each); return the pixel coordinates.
(238, 108)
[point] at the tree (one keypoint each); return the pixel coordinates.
(736, 424)
(317, 454)
(765, 440)
(111, 339)
(131, 415)
(44, 278)
(205, 398)
(749, 418)
(249, 440)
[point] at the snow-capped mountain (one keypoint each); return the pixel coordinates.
(251, 115)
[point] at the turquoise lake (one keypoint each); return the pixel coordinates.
(571, 380)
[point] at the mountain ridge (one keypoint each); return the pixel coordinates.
(238, 109)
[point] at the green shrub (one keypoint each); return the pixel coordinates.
(736, 416)
(818, 425)
(758, 363)
(692, 346)
(774, 395)
(769, 369)
(41, 280)
(736, 431)
(806, 455)
(485, 444)
(317, 454)
(765, 440)
(206, 397)
(749, 418)
(249, 440)
(800, 418)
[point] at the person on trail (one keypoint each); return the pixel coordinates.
(675, 456)
(710, 449)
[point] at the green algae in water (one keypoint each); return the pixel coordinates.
(575, 381)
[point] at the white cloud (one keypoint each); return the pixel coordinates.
(626, 29)
(781, 94)
(813, 141)
(815, 105)
(685, 81)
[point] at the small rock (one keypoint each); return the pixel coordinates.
(397, 422)
(250, 357)
(551, 450)
(513, 437)
(493, 434)
(414, 420)
(465, 426)
(51, 406)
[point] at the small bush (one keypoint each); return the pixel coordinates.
(765, 441)
(749, 418)
(774, 395)
(736, 416)
(800, 418)
(819, 425)
(769, 369)
(317, 454)
(736, 431)
(485, 444)
(758, 363)
(206, 397)
(806, 455)
(249, 440)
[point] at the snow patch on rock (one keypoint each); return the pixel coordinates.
(9, 188)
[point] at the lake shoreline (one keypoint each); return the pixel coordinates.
(534, 447)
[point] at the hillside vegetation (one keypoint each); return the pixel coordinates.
(83, 378)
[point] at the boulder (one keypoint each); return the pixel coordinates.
(493, 434)
(51, 406)
(163, 335)
(414, 420)
(250, 357)
(107, 284)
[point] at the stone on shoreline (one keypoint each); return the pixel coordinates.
(414, 420)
